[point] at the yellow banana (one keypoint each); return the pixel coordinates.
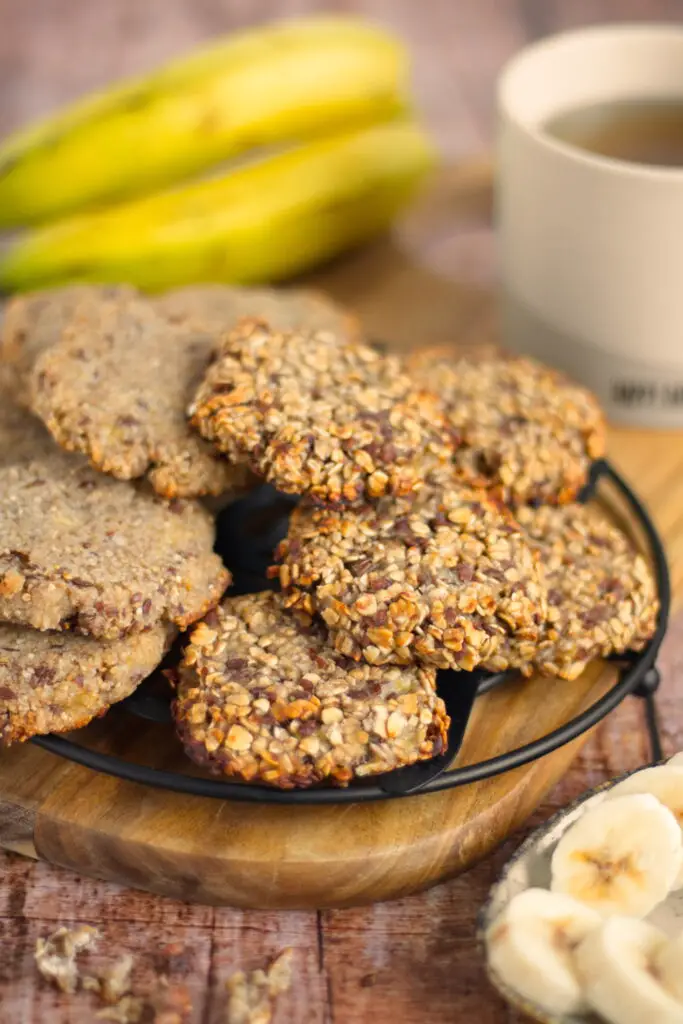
(262, 222)
(288, 81)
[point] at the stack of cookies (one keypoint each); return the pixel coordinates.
(437, 527)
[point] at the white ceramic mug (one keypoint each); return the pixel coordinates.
(591, 248)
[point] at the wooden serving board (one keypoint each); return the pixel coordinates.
(433, 286)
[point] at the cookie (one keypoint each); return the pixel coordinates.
(33, 322)
(263, 697)
(527, 434)
(115, 387)
(602, 598)
(217, 308)
(336, 421)
(80, 550)
(54, 682)
(444, 579)
(22, 436)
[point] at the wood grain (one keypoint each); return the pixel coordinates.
(412, 961)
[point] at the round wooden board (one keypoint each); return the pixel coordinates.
(248, 855)
(286, 857)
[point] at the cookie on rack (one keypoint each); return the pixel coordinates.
(81, 550)
(263, 697)
(315, 415)
(444, 579)
(115, 387)
(55, 682)
(602, 597)
(528, 435)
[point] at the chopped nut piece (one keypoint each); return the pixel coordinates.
(252, 995)
(319, 706)
(56, 956)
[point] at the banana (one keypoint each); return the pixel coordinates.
(289, 81)
(530, 949)
(621, 857)
(263, 222)
(616, 967)
(668, 961)
(665, 782)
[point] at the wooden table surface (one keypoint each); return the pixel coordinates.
(411, 962)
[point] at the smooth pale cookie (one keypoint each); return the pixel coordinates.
(444, 579)
(33, 322)
(527, 434)
(80, 550)
(314, 415)
(115, 387)
(264, 697)
(602, 598)
(54, 682)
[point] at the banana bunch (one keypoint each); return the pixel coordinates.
(311, 117)
(583, 945)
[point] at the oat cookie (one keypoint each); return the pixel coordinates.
(337, 421)
(115, 387)
(443, 580)
(22, 436)
(82, 550)
(602, 597)
(54, 682)
(264, 697)
(528, 435)
(33, 322)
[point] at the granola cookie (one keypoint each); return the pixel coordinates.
(602, 597)
(317, 416)
(22, 436)
(444, 579)
(263, 697)
(527, 434)
(35, 321)
(54, 682)
(80, 550)
(115, 387)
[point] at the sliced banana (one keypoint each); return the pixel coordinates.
(668, 966)
(665, 782)
(620, 857)
(530, 948)
(616, 967)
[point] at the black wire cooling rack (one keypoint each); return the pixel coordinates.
(248, 531)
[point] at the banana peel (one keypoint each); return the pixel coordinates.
(263, 222)
(286, 82)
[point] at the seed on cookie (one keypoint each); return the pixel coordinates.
(263, 696)
(81, 550)
(442, 579)
(527, 434)
(54, 682)
(314, 415)
(602, 598)
(115, 387)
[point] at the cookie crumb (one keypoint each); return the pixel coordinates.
(252, 994)
(128, 1010)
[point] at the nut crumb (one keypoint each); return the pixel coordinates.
(252, 994)
(127, 1010)
(56, 956)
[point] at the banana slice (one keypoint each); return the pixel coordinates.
(665, 782)
(530, 949)
(621, 857)
(668, 966)
(616, 967)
